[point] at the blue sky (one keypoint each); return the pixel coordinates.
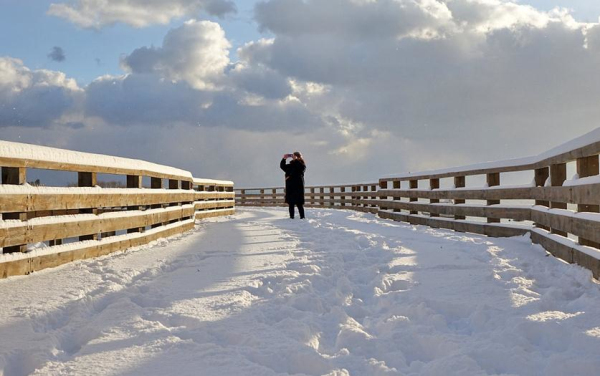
(370, 87)
(28, 33)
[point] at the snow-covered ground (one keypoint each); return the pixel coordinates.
(341, 293)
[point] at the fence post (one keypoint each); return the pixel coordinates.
(434, 184)
(14, 176)
(87, 179)
(396, 185)
(541, 175)
(373, 196)
(331, 196)
(155, 183)
(343, 196)
(262, 197)
(242, 197)
(558, 174)
(135, 182)
(459, 182)
(322, 197)
(588, 166)
(383, 184)
(413, 184)
(493, 180)
(173, 184)
(274, 196)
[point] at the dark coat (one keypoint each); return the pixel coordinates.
(294, 181)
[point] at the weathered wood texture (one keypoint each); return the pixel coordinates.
(104, 220)
(360, 197)
(89, 249)
(550, 223)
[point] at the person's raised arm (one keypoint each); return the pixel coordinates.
(283, 165)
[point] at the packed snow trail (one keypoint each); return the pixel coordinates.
(341, 293)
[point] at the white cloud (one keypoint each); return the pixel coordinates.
(362, 88)
(137, 13)
(490, 68)
(34, 98)
(197, 53)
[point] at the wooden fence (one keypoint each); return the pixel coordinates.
(87, 221)
(361, 197)
(560, 214)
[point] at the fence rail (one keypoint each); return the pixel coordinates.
(560, 214)
(361, 197)
(86, 221)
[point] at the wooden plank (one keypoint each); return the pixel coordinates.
(459, 182)
(14, 176)
(515, 213)
(413, 184)
(567, 253)
(434, 184)
(50, 165)
(588, 166)
(214, 213)
(322, 198)
(69, 227)
(396, 185)
(87, 179)
(493, 230)
(213, 204)
(558, 174)
(135, 182)
(28, 265)
(589, 193)
(43, 199)
(493, 180)
(541, 175)
(584, 228)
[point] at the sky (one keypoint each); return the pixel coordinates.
(363, 88)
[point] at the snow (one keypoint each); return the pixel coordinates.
(342, 293)
(202, 181)
(27, 152)
(576, 180)
(587, 139)
(590, 251)
(569, 213)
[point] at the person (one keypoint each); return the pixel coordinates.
(294, 182)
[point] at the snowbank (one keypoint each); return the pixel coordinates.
(27, 152)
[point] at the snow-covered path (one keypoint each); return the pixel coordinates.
(342, 293)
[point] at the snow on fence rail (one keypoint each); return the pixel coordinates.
(361, 197)
(73, 223)
(571, 235)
